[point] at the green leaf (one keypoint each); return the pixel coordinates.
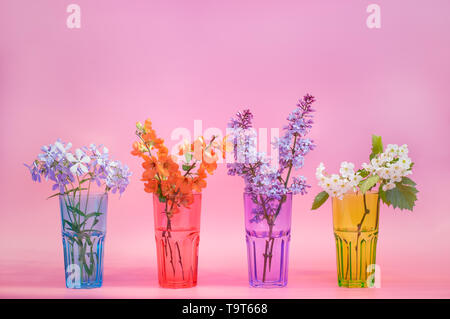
(65, 221)
(76, 189)
(408, 181)
(76, 210)
(162, 199)
(88, 216)
(188, 156)
(54, 195)
(403, 196)
(93, 214)
(87, 269)
(68, 192)
(382, 195)
(368, 183)
(363, 173)
(71, 225)
(186, 167)
(91, 258)
(85, 180)
(377, 146)
(319, 200)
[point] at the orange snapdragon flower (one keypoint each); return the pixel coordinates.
(167, 189)
(209, 167)
(166, 166)
(138, 149)
(151, 186)
(201, 172)
(148, 125)
(162, 151)
(150, 165)
(198, 183)
(184, 184)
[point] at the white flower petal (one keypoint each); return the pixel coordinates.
(70, 157)
(83, 169)
(60, 147)
(79, 153)
(85, 159)
(74, 169)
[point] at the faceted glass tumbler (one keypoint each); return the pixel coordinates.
(83, 231)
(355, 223)
(177, 240)
(267, 239)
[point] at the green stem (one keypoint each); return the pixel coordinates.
(366, 212)
(270, 241)
(268, 251)
(290, 164)
(79, 198)
(87, 198)
(67, 204)
(190, 169)
(167, 236)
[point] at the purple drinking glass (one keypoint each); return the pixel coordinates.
(268, 232)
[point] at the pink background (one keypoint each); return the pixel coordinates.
(177, 61)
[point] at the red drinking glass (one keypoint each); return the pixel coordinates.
(177, 239)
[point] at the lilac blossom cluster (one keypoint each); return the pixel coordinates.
(87, 164)
(260, 177)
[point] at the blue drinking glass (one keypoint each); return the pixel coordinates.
(83, 231)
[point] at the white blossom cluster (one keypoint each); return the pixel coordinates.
(336, 185)
(390, 166)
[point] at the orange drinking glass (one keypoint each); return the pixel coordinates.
(177, 239)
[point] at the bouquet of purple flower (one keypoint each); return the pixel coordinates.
(77, 177)
(268, 187)
(71, 171)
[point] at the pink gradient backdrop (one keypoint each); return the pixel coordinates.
(177, 61)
